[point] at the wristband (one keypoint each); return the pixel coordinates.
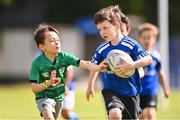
(46, 84)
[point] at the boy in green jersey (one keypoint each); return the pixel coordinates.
(48, 71)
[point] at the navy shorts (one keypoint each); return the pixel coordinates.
(127, 104)
(148, 101)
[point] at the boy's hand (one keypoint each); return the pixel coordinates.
(102, 66)
(56, 81)
(124, 68)
(167, 93)
(89, 93)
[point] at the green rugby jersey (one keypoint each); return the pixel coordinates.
(41, 70)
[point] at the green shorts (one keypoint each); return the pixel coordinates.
(54, 106)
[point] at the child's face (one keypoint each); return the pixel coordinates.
(107, 30)
(147, 39)
(51, 44)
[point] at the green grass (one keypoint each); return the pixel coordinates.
(17, 103)
(90, 110)
(169, 109)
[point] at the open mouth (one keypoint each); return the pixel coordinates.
(57, 48)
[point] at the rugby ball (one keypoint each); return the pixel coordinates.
(118, 57)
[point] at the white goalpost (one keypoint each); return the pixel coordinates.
(163, 22)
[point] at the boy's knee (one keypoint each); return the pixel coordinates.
(115, 113)
(149, 113)
(47, 114)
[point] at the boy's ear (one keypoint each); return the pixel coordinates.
(41, 47)
(118, 25)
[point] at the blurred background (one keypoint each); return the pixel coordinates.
(79, 36)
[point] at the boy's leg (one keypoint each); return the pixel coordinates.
(58, 108)
(46, 107)
(113, 105)
(47, 114)
(115, 114)
(68, 106)
(131, 107)
(148, 105)
(149, 113)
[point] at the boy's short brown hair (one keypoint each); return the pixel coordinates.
(111, 13)
(40, 31)
(148, 27)
(125, 20)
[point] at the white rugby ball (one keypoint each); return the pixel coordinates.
(118, 57)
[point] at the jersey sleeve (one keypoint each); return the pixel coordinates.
(157, 60)
(34, 73)
(97, 58)
(158, 65)
(138, 52)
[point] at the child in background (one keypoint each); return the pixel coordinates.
(147, 35)
(120, 94)
(69, 98)
(48, 71)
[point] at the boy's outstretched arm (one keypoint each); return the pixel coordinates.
(93, 67)
(91, 82)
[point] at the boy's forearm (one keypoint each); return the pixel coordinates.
(143, 62)
(39, 87)
(163, 80)
(92, 78)
(88, 65)
(84, 64)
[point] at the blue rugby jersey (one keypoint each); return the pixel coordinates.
(150, 80)
(122, 86)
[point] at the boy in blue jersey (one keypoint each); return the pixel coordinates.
(125, 28)
(48, 71)
(120, 94)
(147, 35)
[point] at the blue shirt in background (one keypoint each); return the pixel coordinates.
(150, 80)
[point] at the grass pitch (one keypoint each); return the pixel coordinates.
(17, 103)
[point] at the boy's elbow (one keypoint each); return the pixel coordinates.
(33, 88)
(150, 60)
